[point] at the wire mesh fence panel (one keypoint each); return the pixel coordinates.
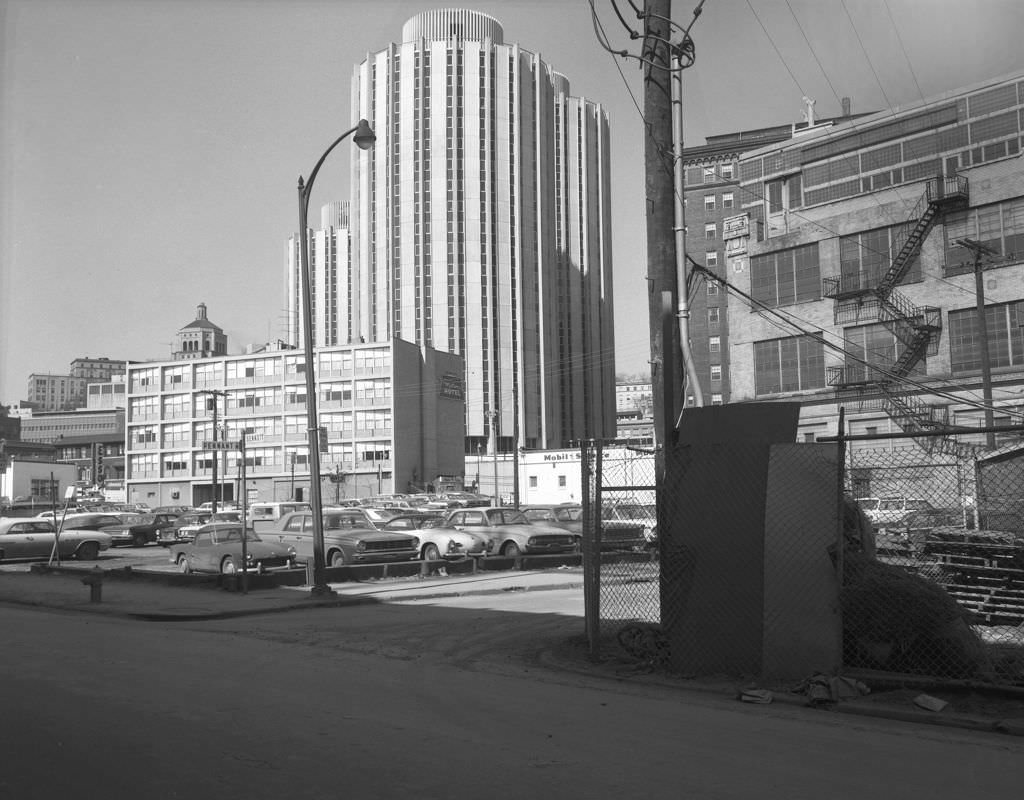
(944, 593)
(620, 547)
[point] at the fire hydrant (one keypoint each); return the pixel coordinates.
(94, 580)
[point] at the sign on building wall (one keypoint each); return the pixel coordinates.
(452, 387)
(734, 227)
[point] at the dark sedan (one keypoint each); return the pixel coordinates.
(139, 529)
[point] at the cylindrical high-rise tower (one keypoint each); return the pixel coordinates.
(480, 225)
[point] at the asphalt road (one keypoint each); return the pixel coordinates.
(421, 701)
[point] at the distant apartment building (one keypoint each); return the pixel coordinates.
(713, 197)
(96, 370)
(330, 278)
(48, 392)
(393, 414)
(854, 267)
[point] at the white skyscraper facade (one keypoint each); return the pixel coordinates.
(480, 225)
(329, 275)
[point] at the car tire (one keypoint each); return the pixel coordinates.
(336, 558)
(227, 566)
(511, 549)
(183, 566)
(431, 553)
(139, 540)
(88, 551)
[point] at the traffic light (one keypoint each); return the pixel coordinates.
(101, 451)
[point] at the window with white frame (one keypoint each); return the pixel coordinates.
(710, 231)
(727, 200)
(714, 316)
(725, 172)
(714, 344)
(709, 202)
(711, 258)
(713, 287)
(709, 174)
(716, 399)
(716, 372)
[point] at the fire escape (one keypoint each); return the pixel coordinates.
(859, 298)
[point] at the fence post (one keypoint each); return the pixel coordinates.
(591, 564)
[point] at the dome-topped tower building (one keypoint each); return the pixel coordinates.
(200, 338)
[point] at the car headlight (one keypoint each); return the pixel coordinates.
(415, 542)
(291, 551)
(360, 545)
(249, 557)
(532, 540)
(453, 546)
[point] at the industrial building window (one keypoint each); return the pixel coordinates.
(786, 277)
(999, 226)
(716, 372)
(711, 258)
(727, 200)
(873, 345)
(709, 174)
(866, 256)
(1005, 337)
(725, 172)
(714, 315)
(792, 364)
(710, 231)
(714, 344)
(716, 399)
(712, 287)
(709, 202)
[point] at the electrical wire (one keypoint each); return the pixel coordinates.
(820, 336)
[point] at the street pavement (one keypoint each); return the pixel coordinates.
(151, 597)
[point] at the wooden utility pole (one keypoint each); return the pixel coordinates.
(660, 191)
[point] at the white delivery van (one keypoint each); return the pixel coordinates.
(265, 516)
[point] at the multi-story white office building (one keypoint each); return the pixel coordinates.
(480, 225)
(855, 267)
(394, 415)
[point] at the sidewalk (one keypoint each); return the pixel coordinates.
(150, 596)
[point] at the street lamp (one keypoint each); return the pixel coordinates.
(364, 139)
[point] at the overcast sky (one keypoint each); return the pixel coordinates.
(151, 148)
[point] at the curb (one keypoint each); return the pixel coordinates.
(1008, 727)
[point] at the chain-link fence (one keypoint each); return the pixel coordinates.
(944, 593)
(775, 560)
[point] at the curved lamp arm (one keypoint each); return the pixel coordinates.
(364, 141)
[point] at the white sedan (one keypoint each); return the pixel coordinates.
(34, 537)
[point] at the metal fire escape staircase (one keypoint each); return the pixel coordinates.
(916, 328)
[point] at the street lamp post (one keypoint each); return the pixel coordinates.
(364, 139)
(216, 486)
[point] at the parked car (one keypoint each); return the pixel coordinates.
(217, 547)
(437, 542)
(348, 538)
(184, 527)
(90, 522)
(629, 525)
(894, 510)
(509, 532)
(373, 517)
(465, 499)
(29, 537)
(138, 530)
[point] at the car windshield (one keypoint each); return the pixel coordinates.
(568, 514)
(334, 522)
(918, 505)
(508, 517)
(235, 535)
(537, 513)
(890, 505)
(868, 503)
(134, 519)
